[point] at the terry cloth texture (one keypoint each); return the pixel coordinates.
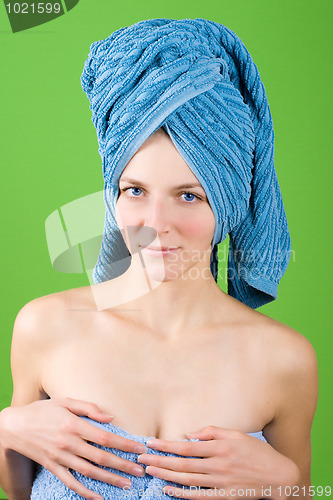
(46, 486)
(196, 79)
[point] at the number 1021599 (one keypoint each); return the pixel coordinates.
(33, 8)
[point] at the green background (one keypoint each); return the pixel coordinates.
(49, 155)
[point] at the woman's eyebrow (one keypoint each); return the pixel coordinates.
(182, 186)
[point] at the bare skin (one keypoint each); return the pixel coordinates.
(92, 346)
(207, 380)
(181, 356)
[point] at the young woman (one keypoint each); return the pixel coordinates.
(160, 346)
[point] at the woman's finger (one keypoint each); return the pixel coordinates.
(73, 484)
(213, 432)
(92, 433)
(84, 408)
(185, 448)
(87, 469)
(176, 463)
(106, 458)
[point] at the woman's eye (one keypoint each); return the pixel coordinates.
(190, 196)
(134, 191)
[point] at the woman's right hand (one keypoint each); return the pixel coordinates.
(50, 433)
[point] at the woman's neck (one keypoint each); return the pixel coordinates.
(165, 307)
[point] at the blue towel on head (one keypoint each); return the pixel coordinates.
(46, 486)
(196, 79)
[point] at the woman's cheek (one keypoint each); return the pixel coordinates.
(125, 216)
(199, 226)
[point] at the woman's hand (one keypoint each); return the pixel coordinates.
(50, 433)
(230, 464)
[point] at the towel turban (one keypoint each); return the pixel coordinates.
(196, 79)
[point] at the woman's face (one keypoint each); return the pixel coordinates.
(163, 211)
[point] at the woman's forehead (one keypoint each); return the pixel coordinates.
(158, 160)
(169, 176)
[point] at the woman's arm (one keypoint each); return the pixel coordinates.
(16, 470)
(48, 431)
(290, 431)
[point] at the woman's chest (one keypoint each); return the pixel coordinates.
(157, 390)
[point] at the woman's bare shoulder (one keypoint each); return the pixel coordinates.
(42, 317)
(288, 349)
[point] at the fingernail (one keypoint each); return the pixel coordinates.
(124, 483)
(139, 471)
(152, 443)
(141, 448)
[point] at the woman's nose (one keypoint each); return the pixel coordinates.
(158, 216)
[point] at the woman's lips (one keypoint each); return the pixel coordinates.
(159, 251)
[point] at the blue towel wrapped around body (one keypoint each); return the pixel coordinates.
(196, 79)
(46, 486)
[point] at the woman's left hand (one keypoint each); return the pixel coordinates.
(229, 462)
